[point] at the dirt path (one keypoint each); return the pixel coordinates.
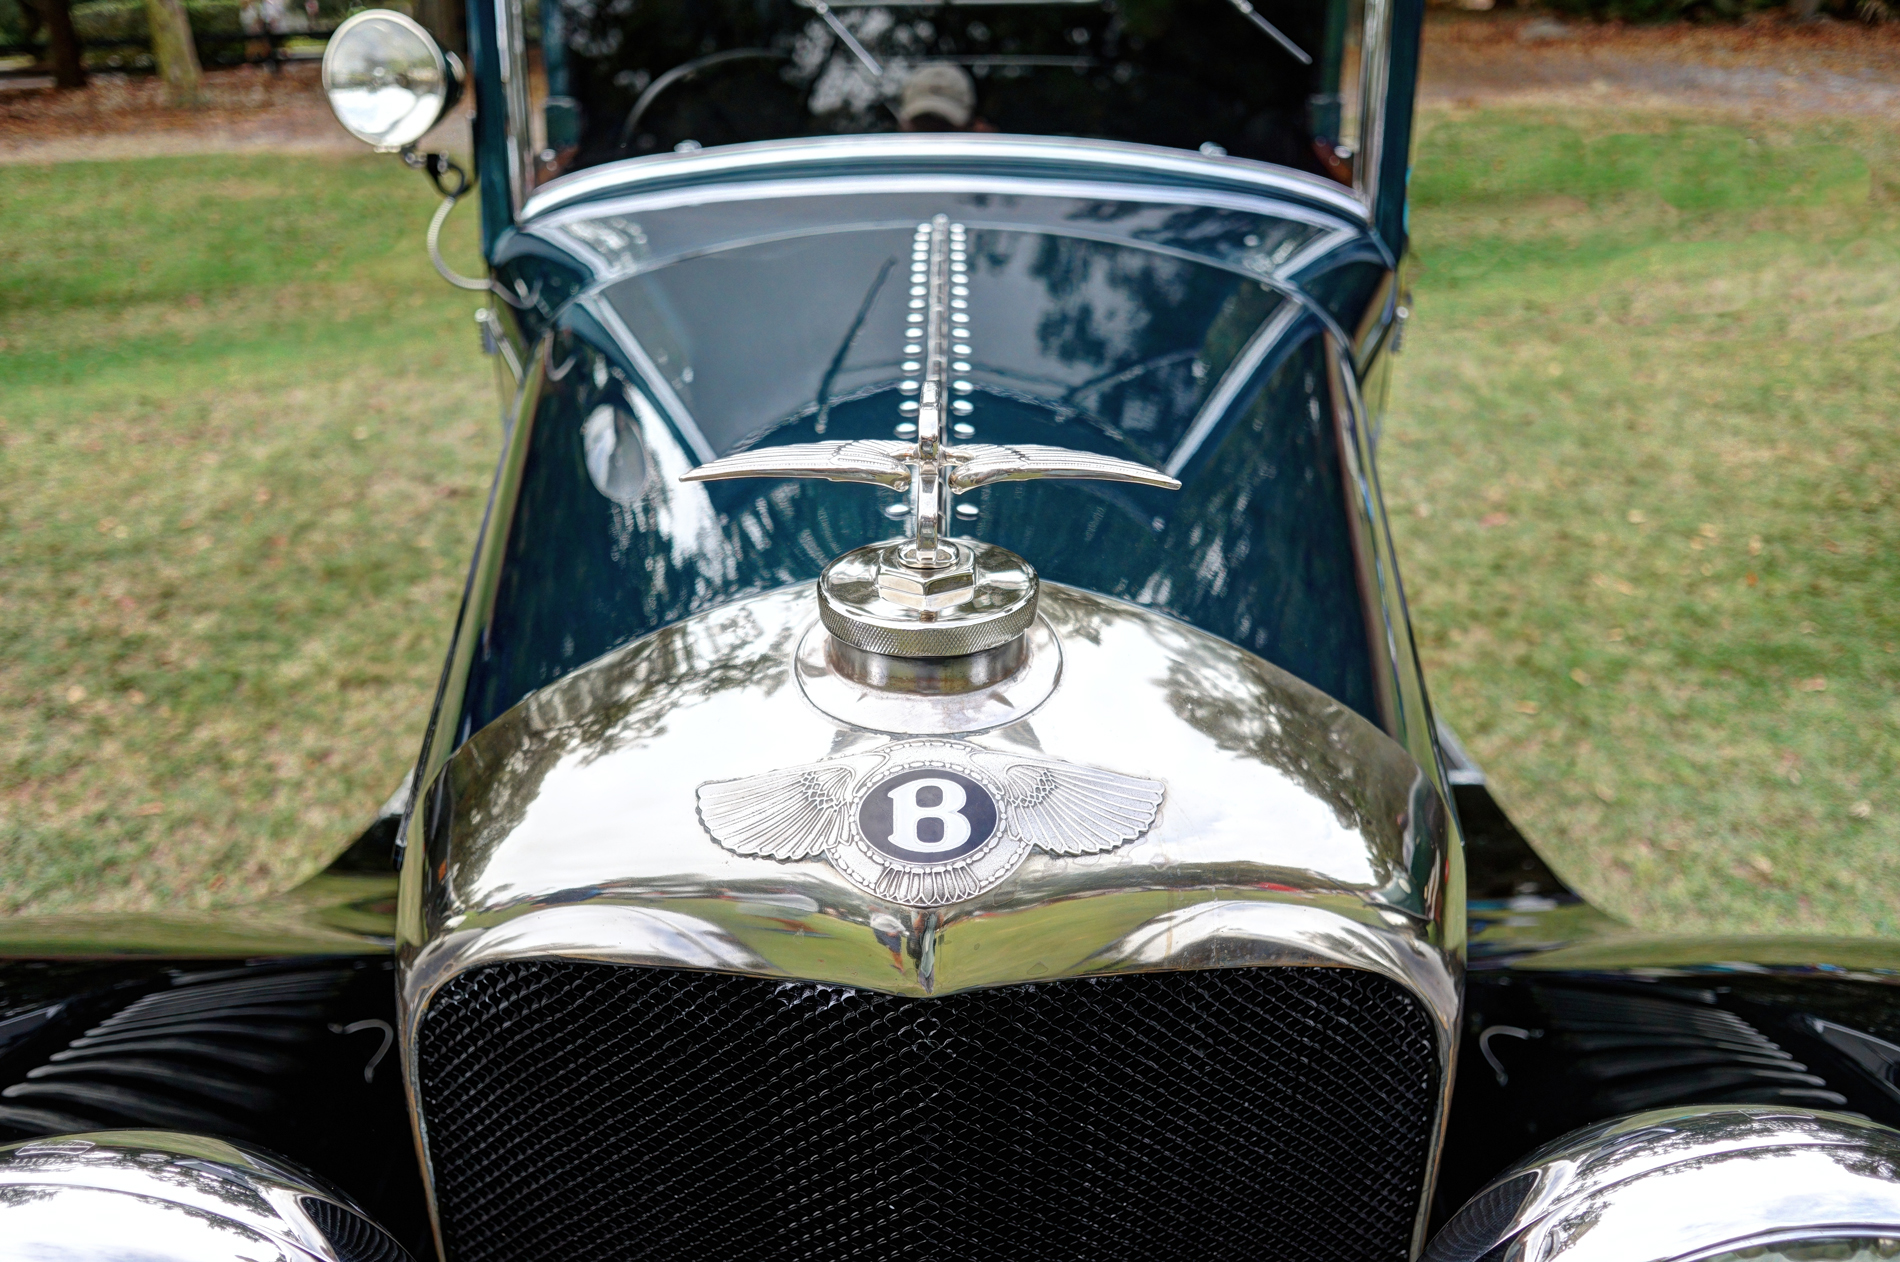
(1471, 59)
(122, 116)
(1769, 67)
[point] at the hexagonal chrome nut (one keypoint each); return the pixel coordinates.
(928, 590)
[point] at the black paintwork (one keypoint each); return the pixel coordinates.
(1547, 1052)
(1500, 863)
(296, 1056)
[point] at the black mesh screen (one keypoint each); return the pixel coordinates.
(583, 1111)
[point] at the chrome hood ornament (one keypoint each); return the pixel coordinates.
(930, 596)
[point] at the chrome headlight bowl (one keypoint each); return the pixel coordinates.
(1700, 1184)
(387, 80)
(163, 1197)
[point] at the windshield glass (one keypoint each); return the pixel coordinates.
(1257, 80)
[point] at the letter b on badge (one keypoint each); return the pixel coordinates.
(908, 811)
(927, 815)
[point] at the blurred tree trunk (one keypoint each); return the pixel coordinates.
(172, 49)
(446, 20)
(69, 70)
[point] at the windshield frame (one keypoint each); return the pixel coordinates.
(766, 168)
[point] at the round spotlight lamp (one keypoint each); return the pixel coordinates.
(388, 81)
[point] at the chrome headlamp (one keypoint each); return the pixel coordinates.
(163, 1197)
(1697, 1184)
(387, 80)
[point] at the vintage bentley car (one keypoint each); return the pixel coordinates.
(932, 761)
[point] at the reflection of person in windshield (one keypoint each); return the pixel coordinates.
(940, 97)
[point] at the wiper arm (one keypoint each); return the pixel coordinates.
(844, 347)
(843, 32)
(1279, 37)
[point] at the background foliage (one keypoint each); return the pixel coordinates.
(100, 22)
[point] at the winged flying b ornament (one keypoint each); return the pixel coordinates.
(929, 822)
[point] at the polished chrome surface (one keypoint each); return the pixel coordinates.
(980, 464)
(1678, 1184)
(330, 914)
(929, 696)
(872, 461)
(988, 599)
(921, 581)
(929, 676)
(726, 163)
(387, 80)
(496, 340)
(1291, 832)
(1375, 76)
(159, 1196)
(512, 67)
(882, 462)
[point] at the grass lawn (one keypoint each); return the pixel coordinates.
(1642, 459)
(247, 436)
(1640, 455)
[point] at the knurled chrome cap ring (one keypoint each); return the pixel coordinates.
(852, 609)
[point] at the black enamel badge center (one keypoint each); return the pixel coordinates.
(927, 815)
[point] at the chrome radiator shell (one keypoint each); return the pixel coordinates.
(1293, 832)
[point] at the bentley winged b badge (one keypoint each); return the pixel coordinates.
(928, 822)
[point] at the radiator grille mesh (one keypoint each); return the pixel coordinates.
(585, 1111)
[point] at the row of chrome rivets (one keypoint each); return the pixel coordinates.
(959, 319)
(960, 325)
(919, 293)
(960, 345)
(919, 301)
(919, 296)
